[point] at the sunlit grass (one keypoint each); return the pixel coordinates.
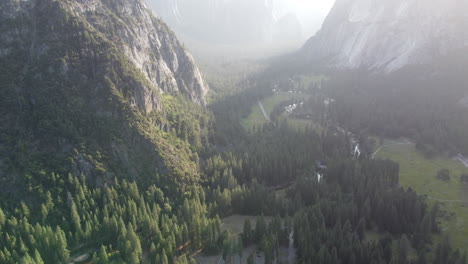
(256, 117)
(278, 98)
(419, 173)
(302, 124)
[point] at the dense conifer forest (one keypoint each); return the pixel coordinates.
(153, 221)
(164, 205)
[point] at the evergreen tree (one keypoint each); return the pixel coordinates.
(37, 257)
(250, 259)
(75, 217)
(260, 229)
(247, 232)
(2, 219)
(44, 213)
(164, 259)
(27, 259)
(102, 257)
(404, 247)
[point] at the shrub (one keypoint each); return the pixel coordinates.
(444, 175)
(464, 178)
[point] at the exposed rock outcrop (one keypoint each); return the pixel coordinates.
(92, 87)
(145, 40)
(386, 35)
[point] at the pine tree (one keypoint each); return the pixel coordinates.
(260, 229)
(25, 210)
(361, 228)
(133, 251)
(247, 232)
(250, 259)
(404, 247)
(49, 202)
(61, 251)
(266, 245)
(75, 217)
(44, 213)
(164, 259)
(27, 259)
(2, 219)
(240, 248)
(102, 256)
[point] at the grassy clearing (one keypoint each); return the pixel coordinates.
(235, 224)
(302, 85)
(419, 173)
(304, 123)
(256, 117)
(276, 99)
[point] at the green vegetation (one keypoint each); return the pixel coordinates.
(98, 174)
(75, 218)
(79, 113)
(350, 186)
(91, 163)
(298, 123)
(419, 172)
(271, 102)
(256, 118)
(403, 104)
(293, 90)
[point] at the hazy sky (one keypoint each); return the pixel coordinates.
(311, 13)
(322, 6)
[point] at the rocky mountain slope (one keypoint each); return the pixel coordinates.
(385, 35)
(95, 87)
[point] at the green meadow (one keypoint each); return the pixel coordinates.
(419, 173)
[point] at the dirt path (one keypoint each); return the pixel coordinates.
(81, 258)
(267, 117)
(462, 160)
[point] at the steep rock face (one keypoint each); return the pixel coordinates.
(386, 35)
(146, 41)
(149, 43)
(86, 86)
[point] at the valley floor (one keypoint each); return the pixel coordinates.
(419, 173)
(235, 224)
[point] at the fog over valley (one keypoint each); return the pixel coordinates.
(246, 28)
(233, 131)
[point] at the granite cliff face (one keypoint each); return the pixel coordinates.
(146, 41)
(386, 35)
(95, 87)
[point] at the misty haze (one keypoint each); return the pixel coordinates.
(242, 28)
(233, 131)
